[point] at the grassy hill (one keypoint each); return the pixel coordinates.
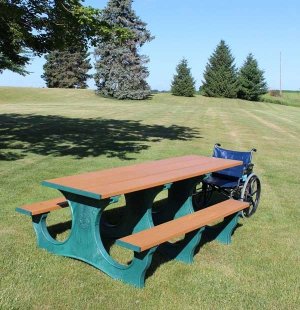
(51, 133)
(290, 98)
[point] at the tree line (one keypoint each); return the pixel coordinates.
(221, 77)
(64, 31)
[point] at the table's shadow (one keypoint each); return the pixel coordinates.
(21, 134)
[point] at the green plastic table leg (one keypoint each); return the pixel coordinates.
(137, 213)
(179, 201)
(85, 243)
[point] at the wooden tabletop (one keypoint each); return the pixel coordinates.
(116, 181)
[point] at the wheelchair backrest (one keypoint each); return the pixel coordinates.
(236, 172)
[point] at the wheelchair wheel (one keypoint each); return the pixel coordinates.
(251, 193)
(202, 194)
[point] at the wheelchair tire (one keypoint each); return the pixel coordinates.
(251, 193)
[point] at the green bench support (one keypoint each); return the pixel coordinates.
(192, 226)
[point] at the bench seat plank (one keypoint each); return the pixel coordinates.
(159, 234)
(43, 206)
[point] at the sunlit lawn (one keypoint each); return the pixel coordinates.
(51, 133)
(290, 98)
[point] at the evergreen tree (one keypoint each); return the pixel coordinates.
(67, 69)
(251, 81)
(220, 76)
(120, 69)
(183, 83)
(68, 66)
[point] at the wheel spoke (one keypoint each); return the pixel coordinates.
(253, 187)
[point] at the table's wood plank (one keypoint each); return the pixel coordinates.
(119, 174)
(128, 172)
(152, 180)
(81, 184)
(116, 181)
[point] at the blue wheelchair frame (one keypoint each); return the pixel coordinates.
(238, 182)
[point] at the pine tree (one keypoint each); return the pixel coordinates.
(67, 69)
(183, 83)
(251, 81)
(68, 66)
(120, 69)
(220, 76)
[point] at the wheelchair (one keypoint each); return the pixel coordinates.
(239, 182)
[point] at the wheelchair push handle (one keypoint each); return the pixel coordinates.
(254, 150)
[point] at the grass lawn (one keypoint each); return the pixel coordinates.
(51, 133)
(290, 98)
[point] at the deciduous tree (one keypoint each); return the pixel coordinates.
(35, 27)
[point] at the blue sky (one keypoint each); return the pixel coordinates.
(193, 28)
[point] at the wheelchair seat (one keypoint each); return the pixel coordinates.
(231, 177)
(221, 181)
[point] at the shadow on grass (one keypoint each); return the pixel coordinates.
(61, 136)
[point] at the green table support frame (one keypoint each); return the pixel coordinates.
(85, 240)
(85, 243)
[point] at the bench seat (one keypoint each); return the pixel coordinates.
(159, 234)
(43, 207)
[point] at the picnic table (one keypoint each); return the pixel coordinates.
(89, 194)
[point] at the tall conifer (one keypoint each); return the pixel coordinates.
(120, 69)
(67, 69)
(68, 66)
(220, 76)
(251, 81)
(183, 83)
